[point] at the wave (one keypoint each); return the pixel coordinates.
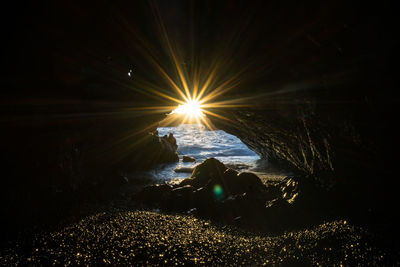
(196, 141)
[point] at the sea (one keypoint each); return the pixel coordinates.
(200, 143)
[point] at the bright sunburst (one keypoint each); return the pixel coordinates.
(191, 109)
(193, 92)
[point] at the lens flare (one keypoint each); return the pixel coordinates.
(218, 191)
(192, 109)
(193, 90)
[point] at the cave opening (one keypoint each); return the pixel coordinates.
(311, 88)
(196, 142)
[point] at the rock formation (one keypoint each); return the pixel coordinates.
(188, 159)
(319, 85)
(216, 192)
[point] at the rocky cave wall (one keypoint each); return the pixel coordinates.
(321, 89)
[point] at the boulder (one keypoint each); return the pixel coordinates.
(183, 191)
(210, 169)
(184, 170)
(222, 194)
(250, 182)
(302, 202)
(204, 202)
(180, 199)
(154, 194)
(245, 206)
(230, 182)
(188, 159)
(239, 183)
(187, 181)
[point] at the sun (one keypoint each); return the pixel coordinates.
(191, 109)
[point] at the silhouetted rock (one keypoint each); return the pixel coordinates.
(188, 159)
(184, 169)
(250, 182)
(172, 140)
(203, 198)
(167, 150)
(216, 192)
(303, 192)
(247, 207)
(153, 195)
(302, 202)
(181, 199)
(210, 169)
(187, 181)
(225, 195)
(154, 150)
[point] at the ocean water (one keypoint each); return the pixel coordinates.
(197, 141)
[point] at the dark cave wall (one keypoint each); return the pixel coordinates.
(66, 84)
(292, 143)
(300, 139)
(320, 87)
(325, 102)
(354, 163)
(71, 119)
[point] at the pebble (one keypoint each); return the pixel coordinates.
(143, 238)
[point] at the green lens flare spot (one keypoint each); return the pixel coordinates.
(218, 191)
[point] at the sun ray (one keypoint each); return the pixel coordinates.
(169, 79)
(196, 82)
(221, 89)
(185, 118)
(164, 95)
(217, 116)
(208, 124)
(190, 89)
(152, 108)
(169, 120)
(171, 50)
(149, 90)
(221, 105)
(145, 46)
(206, 84)
(198, 120)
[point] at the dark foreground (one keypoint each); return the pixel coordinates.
(117, 236)
(120, 230)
